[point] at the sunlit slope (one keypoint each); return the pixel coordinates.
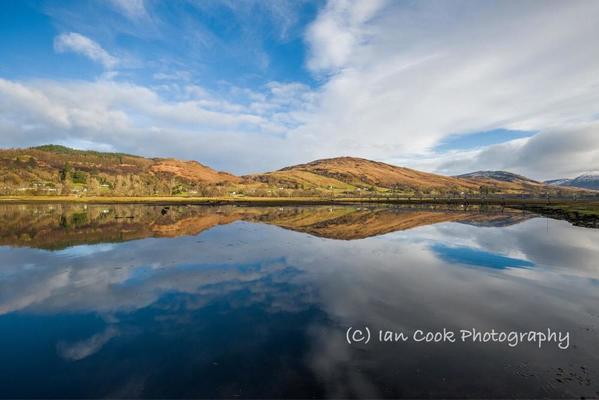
(354, 173)
(55, 169)
(298, 178)
(351, 174)
(191, 170)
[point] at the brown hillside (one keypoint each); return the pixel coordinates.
(192, 170)
(351, 174)
(360, 172)
(53, 169)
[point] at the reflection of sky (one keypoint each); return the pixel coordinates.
(479, 258)
(85, 250)
(268, 279)
(94, 277)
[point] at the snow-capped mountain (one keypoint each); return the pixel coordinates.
(586, 181)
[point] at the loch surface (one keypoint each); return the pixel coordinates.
(210, 302)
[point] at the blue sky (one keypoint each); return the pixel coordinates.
(209, 42)
(254, 85)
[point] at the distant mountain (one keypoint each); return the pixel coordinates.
(507, 182)
(586, 181)
(503, 176)
(558, 182)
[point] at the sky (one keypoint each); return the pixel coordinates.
(254, 85)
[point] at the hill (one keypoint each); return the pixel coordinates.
(52, 169)
(586, 181)
(503, 176)
(61, 170)
(557, 182)
(358, 174)
(192, 171)
(507, 182)
(351, 175)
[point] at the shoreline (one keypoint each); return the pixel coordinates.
(168, 200)
(578, 212)
(583, 213)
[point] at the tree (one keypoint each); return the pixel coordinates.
(65, 172)
(484, 191)
(79, 177)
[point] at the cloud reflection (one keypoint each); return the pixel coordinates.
(267, 279)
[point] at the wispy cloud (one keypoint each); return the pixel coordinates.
(77, 43)
(133, 9)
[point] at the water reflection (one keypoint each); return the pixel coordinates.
(480, 258)
(59, 226)
(209, 303)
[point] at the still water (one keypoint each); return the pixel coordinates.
(151, 301)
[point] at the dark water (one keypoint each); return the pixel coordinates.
(140, 301)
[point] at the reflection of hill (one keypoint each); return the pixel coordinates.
(60, 226)
(357, 223)
(496, 220)
(350, 224)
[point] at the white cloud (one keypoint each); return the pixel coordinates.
(17, 99)
(242, 135)
(553, 153)
(78, 43)
(405, 75)
(338, 31)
